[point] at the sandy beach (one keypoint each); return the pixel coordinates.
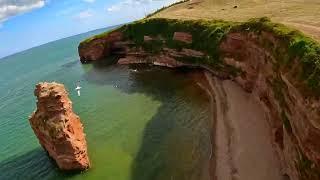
(242, 144)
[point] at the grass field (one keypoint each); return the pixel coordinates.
(300, 14)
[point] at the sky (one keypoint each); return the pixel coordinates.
(29, 23)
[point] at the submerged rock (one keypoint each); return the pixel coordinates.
(58, 128)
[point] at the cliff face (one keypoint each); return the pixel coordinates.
(294, 118)
(130, 53)
(276, 64)
(99, 48)
(58, 128)
(168, 57)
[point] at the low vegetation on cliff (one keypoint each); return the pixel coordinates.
(290, 53)
(207, 35)
(285, 59)
(300, 14)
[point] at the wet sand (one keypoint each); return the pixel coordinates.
(242, 144)
(202, 81)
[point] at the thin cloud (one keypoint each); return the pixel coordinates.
(113, 8)
(89, 1)
(132, 3)
(84, 15)
(122, 4)
(9, 8)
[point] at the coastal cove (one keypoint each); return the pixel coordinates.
(170, 99)
(276, 64)
(141, 122)
(174, 90)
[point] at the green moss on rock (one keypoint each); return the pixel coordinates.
(286, 122)
(307, 169)
(208, 34)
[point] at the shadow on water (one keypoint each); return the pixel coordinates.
(169, 148)
(154, 81)
(175, 141)
(70, 64)
(34, 164)
(174, 144)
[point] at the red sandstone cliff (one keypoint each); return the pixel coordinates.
(183, 37)
(58, 128)
(128, 53)
(99, 47)
(294, 117)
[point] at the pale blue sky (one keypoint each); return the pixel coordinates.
(29, 23)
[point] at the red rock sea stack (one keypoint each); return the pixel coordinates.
(58, 128)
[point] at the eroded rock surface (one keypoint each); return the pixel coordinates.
(255, 61)
(100, 47)
(183, 37)
(294, 117)
(167, 58)
(58, 128)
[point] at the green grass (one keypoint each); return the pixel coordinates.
(278, 88)
(98, 36)
(299, 14)
(286, 122)
(297, 45)
(208, 34)
(291, 47)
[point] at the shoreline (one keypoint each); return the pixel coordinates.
(206, 87)
(239, 142)
(256, 55)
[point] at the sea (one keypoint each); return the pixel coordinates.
(141, 122)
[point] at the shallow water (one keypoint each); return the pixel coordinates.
(141, 123)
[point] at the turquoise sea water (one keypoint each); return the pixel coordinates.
(142, 123)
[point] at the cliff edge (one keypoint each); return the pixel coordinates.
(58, 128)
(277, 64)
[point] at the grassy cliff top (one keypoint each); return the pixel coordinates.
(208, 34)
(300, 14)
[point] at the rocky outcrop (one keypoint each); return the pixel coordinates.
(160, 60)
(256, 56)
(115, 44)
(58, 128)
(99, 47)
(184, 52)
(147, 38)
(167, 58)
(183, 37)
(130, 53)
